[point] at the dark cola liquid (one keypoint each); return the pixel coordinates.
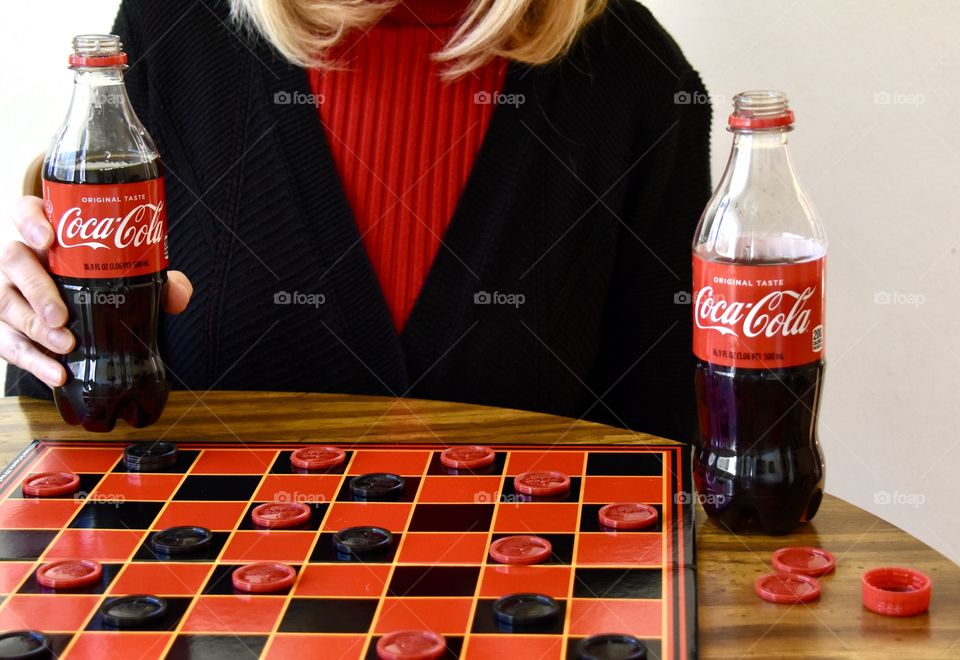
(115, 370)
(759, 465)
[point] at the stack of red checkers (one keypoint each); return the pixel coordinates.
(628, 515)
(411, 645)
(264, 577)
(280, 515)
(521, 549)
(69, 574)
(317, 457)
(544, 483)
(469, 457)
(50, 484)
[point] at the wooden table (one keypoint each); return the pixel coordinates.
(733, 621)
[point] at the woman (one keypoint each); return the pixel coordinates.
(317, 154)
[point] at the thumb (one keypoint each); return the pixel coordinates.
(177, 293)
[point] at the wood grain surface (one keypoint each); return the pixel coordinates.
(733, 622)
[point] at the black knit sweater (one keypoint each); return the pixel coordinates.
(583, 200)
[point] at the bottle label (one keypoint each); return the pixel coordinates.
(106, 231)
(758, 317)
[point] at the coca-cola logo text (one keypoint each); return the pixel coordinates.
(141, 226)
(785, 313)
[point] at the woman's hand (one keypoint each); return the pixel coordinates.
(32, 313)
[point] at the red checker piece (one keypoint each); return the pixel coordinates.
(628, 515)
(317, 457)
(787, 588)
(264, 577)
(411, 645)
(280, 515)
(894, 591)
(470, 457)
(51, 484)
(542, 483)
(521, 549)
(69, 573)
(803, 560)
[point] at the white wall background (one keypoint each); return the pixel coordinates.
(876, 88)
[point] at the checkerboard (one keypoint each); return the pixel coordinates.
(436, 575)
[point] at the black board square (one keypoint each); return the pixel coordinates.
(176, 607)
(219, 487)
(185, 459)
(409, 492)
(325, 551)
(146, 552)
(617, 583)
(434, 581)
(116, 515)
(625, 464)
(484, 621)
(24, 543)
(329, 615)
(451, 518)
(653, 648)
(216, 647)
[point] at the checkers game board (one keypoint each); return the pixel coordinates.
(437, 573)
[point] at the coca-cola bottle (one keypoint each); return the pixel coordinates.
(103, 194)
(758, 305)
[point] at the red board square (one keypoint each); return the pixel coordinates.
(536, 518)
(391, 516)
(161, 579)
(137, 487)
(77, 459)
(99, 544)
(403, 462)
(282, 546)
(623, 489)
(234, 461)
(447, 616)
(591, 616)
(362, 580)
(466, 488)
(235, 614)
(41, 612)
(140, 645)
(305, 488)
(502, 580)
(568, 462)
(212, 515)
(12, 574)
(448, 548)
(630, 548)
(37, 513)
(498, 647)
(311, 647)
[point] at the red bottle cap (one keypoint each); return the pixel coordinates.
(470, 457)
(787, 588)
(280, 515)
(894, 591)
(628, 515)
(98, 60)
(803, 560)
(317, 457)
(542, 483)
(521, 549)
(411, 645)
(69, 573)
(264, 577)
(50, 484)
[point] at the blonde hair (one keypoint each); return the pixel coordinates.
(527, 31)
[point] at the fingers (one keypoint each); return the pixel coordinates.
(16, 313)
(16, 349)
(177, 293)
(23, 269)
(32, 224)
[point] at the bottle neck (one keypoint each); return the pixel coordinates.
(759, 156)
(98, 89)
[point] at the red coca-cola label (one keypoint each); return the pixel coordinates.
(111, 230)
(758, 317)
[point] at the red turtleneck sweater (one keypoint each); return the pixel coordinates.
(404, 139)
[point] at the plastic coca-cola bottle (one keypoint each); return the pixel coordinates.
(103, 194)
(758, 305)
